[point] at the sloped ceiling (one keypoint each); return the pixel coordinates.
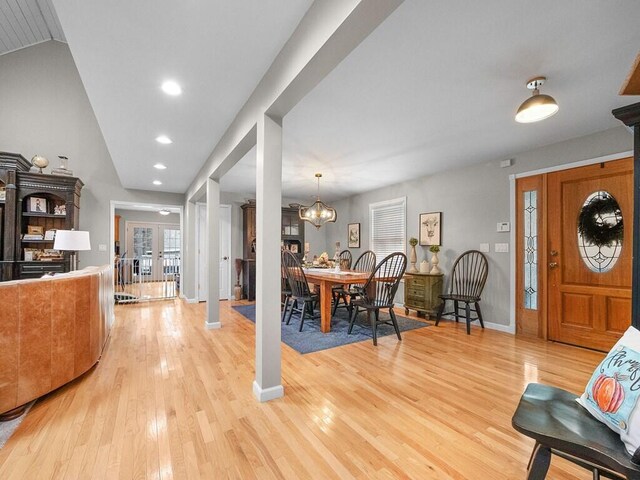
(27, 22)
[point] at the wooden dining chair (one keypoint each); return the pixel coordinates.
(285, 290)
(560, 426)
(379, 292)
(300, 292)
(468, 277)
(365, 263)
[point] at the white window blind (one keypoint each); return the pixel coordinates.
(388, 230)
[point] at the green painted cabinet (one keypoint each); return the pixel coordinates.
(421, 292)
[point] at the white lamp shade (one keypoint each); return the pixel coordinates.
(72, 240)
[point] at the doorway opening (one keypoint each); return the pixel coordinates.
(573, 258)
(147, 251)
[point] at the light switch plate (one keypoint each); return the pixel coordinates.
(102, 247)
(503, 227)
(484, 247)
(501, 248)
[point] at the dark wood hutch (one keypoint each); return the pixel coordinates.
(58, 199)
(292, 238)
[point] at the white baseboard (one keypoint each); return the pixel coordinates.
(266, 394)
(212, 326)
(500, 327)
(188, 300)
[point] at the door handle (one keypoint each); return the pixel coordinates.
(553, 264)
(225, 258)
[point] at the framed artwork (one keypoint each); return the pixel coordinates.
(35, 230)
(3, 193)
(37, 205)
(293, 248)
(353, 234)
(431, 229)
(60, 209)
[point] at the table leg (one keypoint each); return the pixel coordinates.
(325, 307)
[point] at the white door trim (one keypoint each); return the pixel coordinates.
(200, 264)
(513, 213)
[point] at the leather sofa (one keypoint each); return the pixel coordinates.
(52, 330)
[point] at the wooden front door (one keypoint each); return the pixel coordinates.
(589, 270)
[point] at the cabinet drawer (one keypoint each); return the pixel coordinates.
(415, 292)
(416, 281)
(415, 303)
(37, 269)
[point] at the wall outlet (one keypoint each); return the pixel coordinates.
(484, 247)
(102, 247)
(503, 227)
(501, 248)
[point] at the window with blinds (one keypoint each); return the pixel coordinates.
(388, 232)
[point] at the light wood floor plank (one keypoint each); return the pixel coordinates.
(171, 400)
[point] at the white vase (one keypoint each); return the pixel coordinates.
(424, 266)
(434, 264)
(413, 259)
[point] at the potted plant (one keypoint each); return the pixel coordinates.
(413, 258)
(434, 249)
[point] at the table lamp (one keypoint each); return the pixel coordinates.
(72, 241)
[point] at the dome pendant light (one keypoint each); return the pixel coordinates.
(538, 106)
(319, 213)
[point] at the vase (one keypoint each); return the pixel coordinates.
(237, 292)
(424, 266)
(413, 259)
(434, 264)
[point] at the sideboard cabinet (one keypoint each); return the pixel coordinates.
(421, 291)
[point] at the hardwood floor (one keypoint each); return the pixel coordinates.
(170, 399)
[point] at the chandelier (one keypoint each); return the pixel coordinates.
(319, 213)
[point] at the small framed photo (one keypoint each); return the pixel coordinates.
(430, 229)
(3, 194)
(50, 235)
(60, 209)
(293, 248)
(37, 205)
(353, 234)
(35, 230)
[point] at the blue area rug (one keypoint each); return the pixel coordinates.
(311, 339)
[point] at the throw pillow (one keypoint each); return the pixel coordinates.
(612, 393)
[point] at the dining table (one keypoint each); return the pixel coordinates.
(325, 279)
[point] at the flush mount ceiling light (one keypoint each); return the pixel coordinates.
(171, 88)
(538, 106)
(160, 166)
(157, 182)
(319, 213)
(163, 139)
(164, 211)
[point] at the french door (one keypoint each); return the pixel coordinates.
(574, 254)
(155, 250)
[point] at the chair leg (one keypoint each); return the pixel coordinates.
(352, 319)
(394, 320)
(302, 315)
(336, 300)
(374, 327)
(479, 314)
(539, 463)
(468, 313)
(440, 312)
(294, 305)
(287, 299)
(455, 310)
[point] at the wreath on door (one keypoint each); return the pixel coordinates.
(592, 226)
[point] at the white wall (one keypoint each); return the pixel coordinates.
(45, 110)
(472, 200)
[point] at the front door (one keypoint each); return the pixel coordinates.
(589, 253)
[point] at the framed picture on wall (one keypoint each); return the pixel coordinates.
(431, 229)
(353, 234)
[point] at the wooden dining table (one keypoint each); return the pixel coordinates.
(326, 278)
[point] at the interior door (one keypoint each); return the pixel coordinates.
(589, 253)
(142, 246)
(202, 252)
(225, 251)
(169, 255)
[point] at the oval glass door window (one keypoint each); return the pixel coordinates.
(600, 231)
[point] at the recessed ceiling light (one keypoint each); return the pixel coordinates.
(171, 88)
(164, 211)
(157, 182)
(160, 166)
(163, 139)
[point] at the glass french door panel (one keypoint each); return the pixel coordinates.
(142, 251)
(530, 250)
(171, 245)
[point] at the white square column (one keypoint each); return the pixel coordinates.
(213, 254)
(188, 280)
(268, 382)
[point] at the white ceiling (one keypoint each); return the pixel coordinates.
(436, 87)
(217, 50)
(27, 22)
